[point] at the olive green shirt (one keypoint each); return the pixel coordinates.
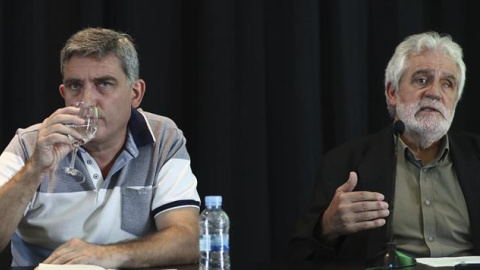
(430, 217)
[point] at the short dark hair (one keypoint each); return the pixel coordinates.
(102, 42)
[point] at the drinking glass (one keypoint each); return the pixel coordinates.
(89, 112)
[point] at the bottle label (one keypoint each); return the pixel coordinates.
(215, 242)
(204, 243)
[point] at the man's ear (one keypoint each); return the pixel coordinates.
(390, 93)
(138, 90)
(61, 89)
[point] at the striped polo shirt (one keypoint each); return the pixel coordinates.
(150, 176)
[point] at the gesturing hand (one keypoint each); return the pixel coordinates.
(353, 211)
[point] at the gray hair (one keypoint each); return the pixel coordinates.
(101, 43)
(415, 45)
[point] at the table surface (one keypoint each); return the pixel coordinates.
(276, 265)
(291, 265)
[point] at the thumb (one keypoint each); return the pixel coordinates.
(350, 184)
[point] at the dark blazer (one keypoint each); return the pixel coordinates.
(372, 158)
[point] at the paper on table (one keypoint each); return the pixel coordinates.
(448, 261)
(46, 266)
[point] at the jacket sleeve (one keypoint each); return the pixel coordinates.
(368, 157)
(304, 244)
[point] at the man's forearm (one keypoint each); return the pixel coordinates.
(14, 198)
(171, 246)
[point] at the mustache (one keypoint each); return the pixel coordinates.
(432, 104)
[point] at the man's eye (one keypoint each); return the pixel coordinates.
(421, 80)
(104, 84)
(74, 86)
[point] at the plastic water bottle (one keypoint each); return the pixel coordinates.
(214, 235)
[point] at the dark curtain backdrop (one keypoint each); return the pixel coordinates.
(261, 88)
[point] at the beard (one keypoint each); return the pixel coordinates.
(425, 129)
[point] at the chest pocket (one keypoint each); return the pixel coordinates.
(136, 209)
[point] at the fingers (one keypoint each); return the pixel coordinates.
(55, 125)
(367, 205)
(361, 205)
(61, 255)
(69, 252)
(63, 258)
(363, 211)
(346, 221)
(352, 211)
(53, 138)
(364, 225)
(56, 122)
(48, 134)
(373, 211)
(77, 251)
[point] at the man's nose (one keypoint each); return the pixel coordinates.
(89, 94)
(434, 91)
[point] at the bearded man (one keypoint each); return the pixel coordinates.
(436, 171)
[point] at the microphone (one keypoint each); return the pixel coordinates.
(398, 129)
(392, 258)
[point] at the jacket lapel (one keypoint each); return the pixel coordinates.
(375, 174)
(466, 163)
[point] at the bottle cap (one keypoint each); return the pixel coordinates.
(213, 200)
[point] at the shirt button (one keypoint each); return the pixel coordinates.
(89, 162)
(431, 238)
(424, 170)
(95, 176)
(427, 202)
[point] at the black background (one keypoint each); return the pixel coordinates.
(261, 88)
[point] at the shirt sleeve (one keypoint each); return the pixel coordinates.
(12, 159)
(176, 185)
